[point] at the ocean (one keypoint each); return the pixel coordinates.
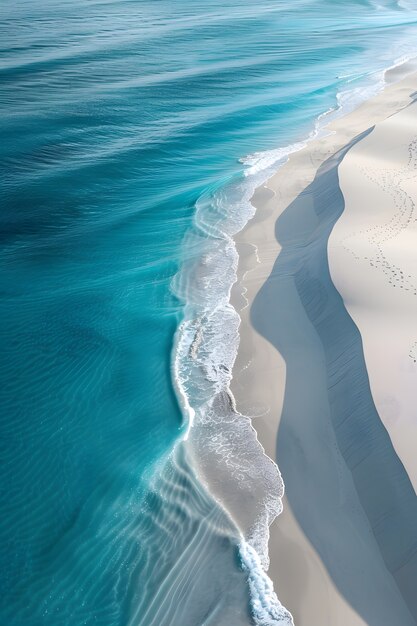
(133, 133)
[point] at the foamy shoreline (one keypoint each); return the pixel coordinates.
(302, 581)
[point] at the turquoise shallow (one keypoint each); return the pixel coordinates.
(117, 116)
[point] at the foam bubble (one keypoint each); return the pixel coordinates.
(261, 161)
(228, 456)
(267, 610)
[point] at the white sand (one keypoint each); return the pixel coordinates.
(301, 580)
(373, 262)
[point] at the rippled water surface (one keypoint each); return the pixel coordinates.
(117, 117)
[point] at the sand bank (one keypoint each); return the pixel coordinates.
(335, 553)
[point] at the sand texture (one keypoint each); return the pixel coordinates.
(311, 366)
(373, 261)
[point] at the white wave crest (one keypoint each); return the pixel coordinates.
(261, 161)
(266, 608)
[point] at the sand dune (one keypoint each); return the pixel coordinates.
(343, 551)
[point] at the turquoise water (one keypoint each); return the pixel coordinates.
(118, 119)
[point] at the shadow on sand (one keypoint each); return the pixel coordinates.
(345, 483)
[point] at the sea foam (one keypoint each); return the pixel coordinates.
(223, 444)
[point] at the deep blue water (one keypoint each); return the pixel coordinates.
(116, 117)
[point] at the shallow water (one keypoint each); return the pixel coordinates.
(119, 118)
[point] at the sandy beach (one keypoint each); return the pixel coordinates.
(373, 260)
(327, 363)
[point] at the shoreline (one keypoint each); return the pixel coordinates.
(302, 582)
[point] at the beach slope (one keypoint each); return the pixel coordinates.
(344, 550)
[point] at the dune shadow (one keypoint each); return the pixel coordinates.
(344, 481)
